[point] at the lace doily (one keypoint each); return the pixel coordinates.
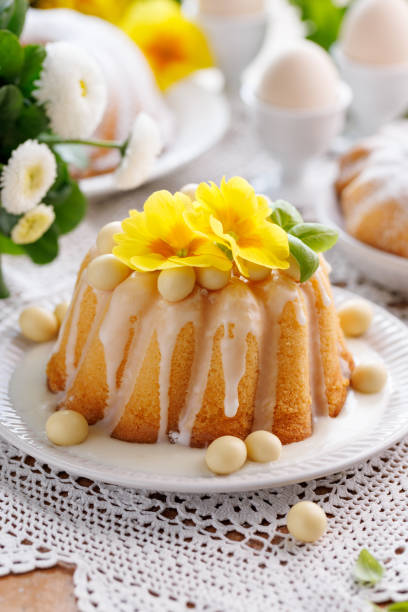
(135, 550)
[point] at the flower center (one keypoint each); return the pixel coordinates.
(33, 178)
(165, 50)
(182, 253)
(83, 87)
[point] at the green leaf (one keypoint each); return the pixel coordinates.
(7, 221)
(17, 19)
(11, 103)
(285, 215)
(34, 56)
(32, 121)
(11, 55)
(70, 208)
(45, 249)
(7, 246)
(322, 18)
(73, 154)
(6, 13)
(401, 606)
(315, 235)
(307, 259)
(367, 568)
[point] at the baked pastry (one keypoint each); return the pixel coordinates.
(166, 338)
(131, 84)
(372, 187)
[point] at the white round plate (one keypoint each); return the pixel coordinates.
(387, 269)
(201, 118)
(366, 425)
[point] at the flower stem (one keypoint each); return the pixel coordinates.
(4, 292)
(105, 144)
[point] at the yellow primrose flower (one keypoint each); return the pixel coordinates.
(159, 238)
(173, 46)
(236, 217)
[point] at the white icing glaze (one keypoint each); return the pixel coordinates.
(137, 314)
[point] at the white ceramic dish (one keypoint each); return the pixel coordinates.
(387, 269)
(367, 425)
(201, 116)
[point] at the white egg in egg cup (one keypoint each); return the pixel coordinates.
(380, 92)
(294, 137)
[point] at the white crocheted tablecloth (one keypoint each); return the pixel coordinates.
(137, 550)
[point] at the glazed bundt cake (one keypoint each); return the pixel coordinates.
(131, 84)
(252, 354)
(372, 186)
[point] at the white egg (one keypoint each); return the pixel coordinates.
(175, 284)
(257, 272)
(369, 377)
(66, 428)
(212, 278)
(226, 455)
(38, 324)
(263, 446)
(104, 240)
(302, 77)
(376, 32)
(306, 521)
(106, 272)
(355, 317)
(226, 8)
(60, 311)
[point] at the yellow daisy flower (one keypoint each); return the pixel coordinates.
(234, 216)
(173, 46)
(159, 238)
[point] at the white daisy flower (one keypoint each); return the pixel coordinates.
(33, 224)
(28, 175)
(144, 145)
(73, 90)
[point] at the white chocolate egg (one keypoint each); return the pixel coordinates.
(301, 77)
(66, 428)
(189, 190)
(104, 240)
(257, 272)
(212, 278)
(60, 311)
(263, 446)
(294, 270)
(38, 324)
(106, 272)
(175, 284)
(306, 521)
(355, 317)
(225, 455)
(375, 32)
(369, 377)
(230, 8)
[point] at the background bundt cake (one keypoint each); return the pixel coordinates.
(372, 186)
(253, 354)
(130, 82)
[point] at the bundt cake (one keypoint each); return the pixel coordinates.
(372, 186)
(253, 354)
(131, 84)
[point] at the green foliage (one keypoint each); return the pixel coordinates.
(367, 569)
(34, 56)
(22, 118)
(12, 15)
(323, 19)
(305, 239)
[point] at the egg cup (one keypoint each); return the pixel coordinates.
(295, 137)
(380, 93)
(235, 41)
